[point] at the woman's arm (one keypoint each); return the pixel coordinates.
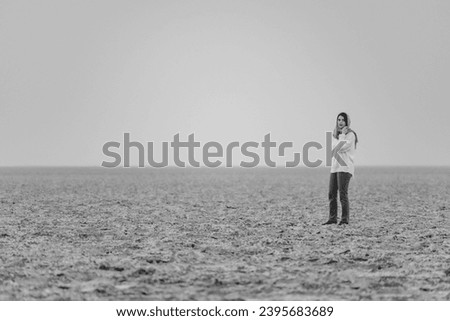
(349, 140)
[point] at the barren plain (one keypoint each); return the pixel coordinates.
(222, 234)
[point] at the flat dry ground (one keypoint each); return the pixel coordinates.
(222, 234)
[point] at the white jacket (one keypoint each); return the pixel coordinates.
(346, 152)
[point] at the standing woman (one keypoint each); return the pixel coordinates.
(342, 169)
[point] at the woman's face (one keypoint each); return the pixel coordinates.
(341, 122)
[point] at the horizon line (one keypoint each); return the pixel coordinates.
(206, 167)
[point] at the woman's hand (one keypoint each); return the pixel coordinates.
(344, 130)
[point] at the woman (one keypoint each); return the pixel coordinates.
(342, 168)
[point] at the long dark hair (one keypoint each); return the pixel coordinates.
(347, 123)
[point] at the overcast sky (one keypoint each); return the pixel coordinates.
(77, 74)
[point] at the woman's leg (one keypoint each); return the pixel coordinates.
(332, 198)
(343, 182)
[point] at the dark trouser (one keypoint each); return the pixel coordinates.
(339, 182)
